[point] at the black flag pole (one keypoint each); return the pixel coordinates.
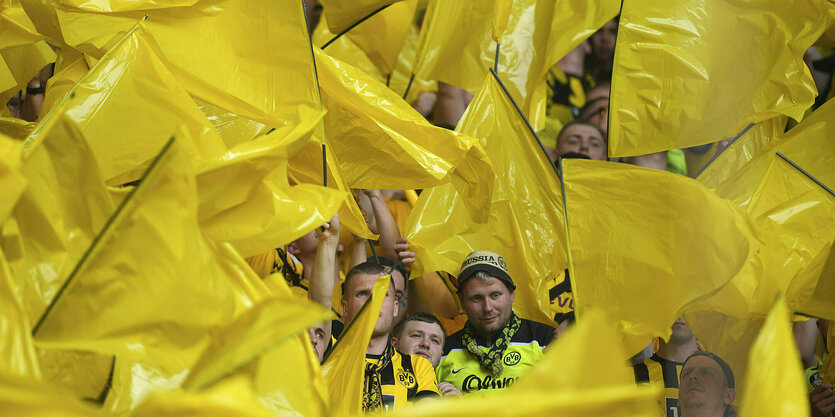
(373, 251)
(319, 93)
(713, 158)
(528, 124)
(104, 230)
(355, 24)
(496, 59)
(829, 190)
(409, 86)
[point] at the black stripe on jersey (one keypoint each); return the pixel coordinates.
(387, 374)
(406, 364)
(641, 373)
(668, 369)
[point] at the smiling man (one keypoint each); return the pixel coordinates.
(706, 388)
(495, 347)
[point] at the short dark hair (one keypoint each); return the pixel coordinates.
(368, 268)
(421, 316)
(580, 122)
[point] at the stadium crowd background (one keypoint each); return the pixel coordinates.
(126, 337)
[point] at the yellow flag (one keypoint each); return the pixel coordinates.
(20, 64)
(675, 88)
(63, 208)
(648, 232)
(253, 334)
(383, 143)
(234, 397)
(344, 367)
(343, 13)
(740, 153)
(457, 44)
(26, 397)
(525, 223)
(128, 105)
(216, 49)
(16, 128)
(828, 368)
(152, 249)
(232, 128)
(12, 181)
(246, 199)
(381, 37)
(775, 384)
(70, 66)
(16, 348)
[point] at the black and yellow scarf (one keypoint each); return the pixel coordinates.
(372, 393)
(492, 360)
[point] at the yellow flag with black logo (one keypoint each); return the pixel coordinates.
(650, 221)
(674, 88)
(525, 220)
(344, 366)
(775, 383)
(383, 143)
(151, 249)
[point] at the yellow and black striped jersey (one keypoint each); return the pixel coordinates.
(657, 370)
(562, 299)
(405, 379)
(461, 369)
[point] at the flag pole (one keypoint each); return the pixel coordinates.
(713, 158)
(530, 128)
(319, 93)
(355, 24)
(806, 174)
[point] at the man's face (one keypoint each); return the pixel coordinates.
(317, 338)
(681, 332)
(399, 282)
(603, 41)
(423, 339)
(703, 385)
(358, 291)
(305, 245)
(583, 139)
(488, 304)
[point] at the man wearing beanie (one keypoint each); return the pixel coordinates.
(495, 347)
(706, 388)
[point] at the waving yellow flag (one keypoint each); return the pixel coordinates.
(16, 347)
(11, 178)
(343, 13)
(525, 220)
(634, 231)
(344, 366)
(128, 105)
(246, 199)
(775, 384)
(381, 37)
(690, 73)
(458, 42)
(152, 249)
(383, 143)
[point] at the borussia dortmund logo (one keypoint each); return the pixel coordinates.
(406, 378)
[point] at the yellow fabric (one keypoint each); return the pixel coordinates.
(16, 129)
(12, 181)
(737, 156)
(26, 397)
(70, 66)
(381, 37)
(775, 383)
(828, 366)
(17, 352)
(253, 333)
(343, 13)
(246, 199)
(61, 211)
(373, 124)
(154, 244)
(344, 368)
(83, 374)
(456, 46)
(23, 63)
(650, 220)
(235, 396)
(134, 78)
(501, 15)
(525, 214)
(675, 88)
(212, 48)
(232, 128)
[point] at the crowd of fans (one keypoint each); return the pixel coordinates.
(431, 340)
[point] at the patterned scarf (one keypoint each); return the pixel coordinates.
(372, 394)
(492, 360)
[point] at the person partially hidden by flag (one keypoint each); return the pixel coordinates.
(420, 334)
(664, 366)
(495, 347)
(392, 379)
(707, 387)
(580, 137)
